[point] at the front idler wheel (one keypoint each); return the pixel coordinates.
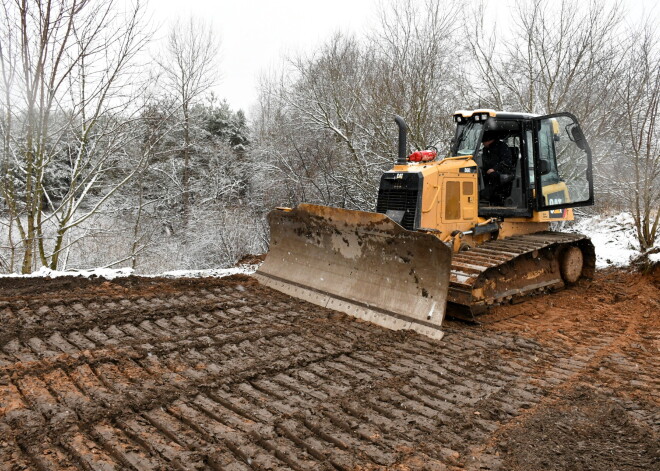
(571, 264)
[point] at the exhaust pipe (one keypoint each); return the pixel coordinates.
(403, 130)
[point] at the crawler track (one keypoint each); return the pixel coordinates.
(499, 270)
(149, 374)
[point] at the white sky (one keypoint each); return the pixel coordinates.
(256, 34)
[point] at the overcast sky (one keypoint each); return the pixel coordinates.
(256, 34)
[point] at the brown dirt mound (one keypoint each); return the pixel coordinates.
(586, 428)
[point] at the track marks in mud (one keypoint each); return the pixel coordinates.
(230, 375)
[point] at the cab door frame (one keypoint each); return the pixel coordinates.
(525, 209)
(539, 201)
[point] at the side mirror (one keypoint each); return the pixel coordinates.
(544, 166)
(577, 136)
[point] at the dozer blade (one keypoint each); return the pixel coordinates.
(360, 263)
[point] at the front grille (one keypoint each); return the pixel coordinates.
(400, 194)
(399, 200)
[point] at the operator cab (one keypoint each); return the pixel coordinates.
(551, 162)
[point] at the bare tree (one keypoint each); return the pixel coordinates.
(189, 67)
(419, 71)
(638, 133)
(67, 112)
(555, 57)
(327, 127)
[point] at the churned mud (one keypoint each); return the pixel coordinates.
(225, 374)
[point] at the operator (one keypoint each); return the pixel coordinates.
(498, 169)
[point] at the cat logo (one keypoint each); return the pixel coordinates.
(555, 199)
(399, 176)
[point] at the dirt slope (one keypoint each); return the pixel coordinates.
(150, 374)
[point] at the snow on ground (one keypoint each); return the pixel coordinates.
(613, 236)
(215, 272)
(111, 273)
(107, 273)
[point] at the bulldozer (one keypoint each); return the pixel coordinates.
(439, 235)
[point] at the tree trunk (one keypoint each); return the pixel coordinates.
(186, 165)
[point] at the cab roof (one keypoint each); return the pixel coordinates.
(494, 114)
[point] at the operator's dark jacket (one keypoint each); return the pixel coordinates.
(498, 157)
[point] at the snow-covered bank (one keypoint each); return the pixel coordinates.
(216, 272)
(107, 273)
(614, 238)
(111, 273)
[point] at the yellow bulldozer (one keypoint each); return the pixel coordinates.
(443, 232)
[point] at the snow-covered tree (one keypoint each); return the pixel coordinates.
(67, 117)
(189, 69)
(325, 129)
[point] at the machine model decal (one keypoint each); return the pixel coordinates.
(553, 199)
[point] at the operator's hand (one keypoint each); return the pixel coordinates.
(490, 170)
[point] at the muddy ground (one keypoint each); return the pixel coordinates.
(146, 374)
